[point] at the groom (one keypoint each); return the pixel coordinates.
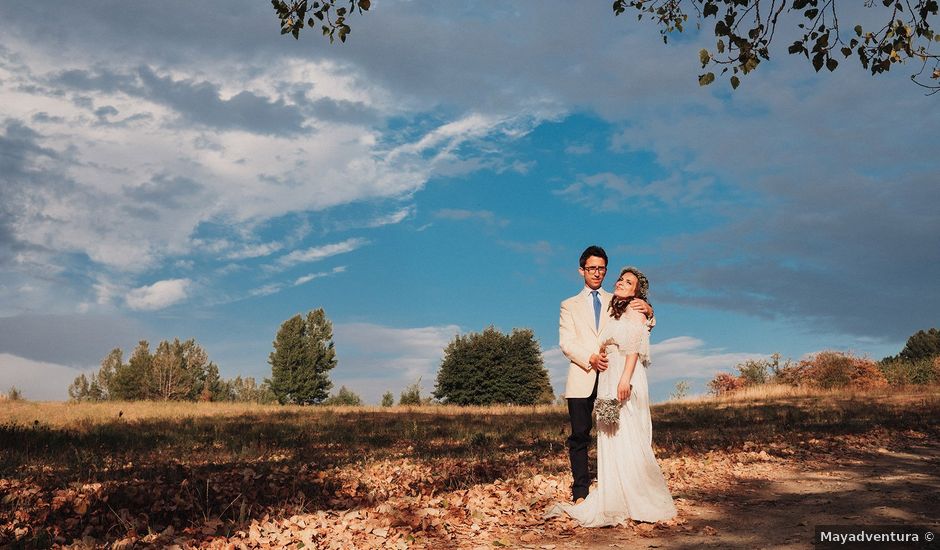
(579, 327)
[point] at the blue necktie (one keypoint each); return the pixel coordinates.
(597, 309)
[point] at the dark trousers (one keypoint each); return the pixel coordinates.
(580, 411)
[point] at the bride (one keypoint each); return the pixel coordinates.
(630, 484)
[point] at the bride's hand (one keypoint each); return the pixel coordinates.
(624, 389)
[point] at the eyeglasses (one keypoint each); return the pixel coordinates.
(595, 269)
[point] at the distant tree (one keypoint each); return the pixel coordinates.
(491, 367)
(411, 395)
(315, 383)
(388, 399)
(302, 358)
(131, 381)
(176, 367)
(345, 397)
(209, 384)
(83, 389)
(923, 344)
(754, 372)
(14, 394)
(112, 362)
(743, 30)
(176, 371)
(681, 390)
(247, 390)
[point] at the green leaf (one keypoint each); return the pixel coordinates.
(811, 13)
(706, 79)
(735, 82)
(858, 30)
(846, 51)
(831, 64)
(710, 9)
(364, 5)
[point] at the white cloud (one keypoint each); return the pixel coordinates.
(307, 278)
(254, 251)
(320, 252)
(37, 380)
(687, 357)
(374, 359)
(159, 295)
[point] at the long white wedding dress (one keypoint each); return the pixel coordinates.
(630, 484)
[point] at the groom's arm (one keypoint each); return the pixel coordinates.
(646, 309)
(569, 343)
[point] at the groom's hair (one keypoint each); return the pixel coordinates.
(593, 250)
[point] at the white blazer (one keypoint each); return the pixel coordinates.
(578, 339)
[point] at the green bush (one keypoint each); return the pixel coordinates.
(344, 396)
(900, 372)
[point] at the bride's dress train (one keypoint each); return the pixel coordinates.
(630, 484)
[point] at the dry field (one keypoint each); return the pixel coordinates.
(749, 471)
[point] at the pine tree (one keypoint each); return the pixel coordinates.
(314, 383)
(131, 381)
(302, 358)
(492, 367)
(923, 344)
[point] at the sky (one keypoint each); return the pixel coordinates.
(180, 169)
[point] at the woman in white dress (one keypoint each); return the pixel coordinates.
(630, 484)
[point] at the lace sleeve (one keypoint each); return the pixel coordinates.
(634, 336)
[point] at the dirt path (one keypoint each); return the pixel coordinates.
(778, 507)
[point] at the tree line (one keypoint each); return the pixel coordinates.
(918, 363)
(483, 368)
(175, 371)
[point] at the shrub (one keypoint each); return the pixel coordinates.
(899, 372)
(388, 399)
(681, 390)
(833, 369)
(14, 394)
(754, 372)
(411, 395)
(724, 383)
(344, 396)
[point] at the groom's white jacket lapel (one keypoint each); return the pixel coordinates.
(579, 339)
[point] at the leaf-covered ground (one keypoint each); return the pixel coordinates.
(744, 474)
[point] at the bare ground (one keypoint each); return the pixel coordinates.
(778, 506)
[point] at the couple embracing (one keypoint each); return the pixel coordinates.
(606, 338)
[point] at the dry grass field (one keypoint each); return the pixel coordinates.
(775, 461)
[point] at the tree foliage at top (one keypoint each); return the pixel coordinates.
(923, 344)
(743, 29)
(491, 367)
(302, 358)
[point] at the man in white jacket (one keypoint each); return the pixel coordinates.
(582, 318)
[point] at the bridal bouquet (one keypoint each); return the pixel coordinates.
(607, 406)
(607, 411)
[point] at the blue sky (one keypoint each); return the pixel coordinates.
(164, 173)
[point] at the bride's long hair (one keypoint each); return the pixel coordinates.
(619, 305)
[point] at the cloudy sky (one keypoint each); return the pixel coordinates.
(180, 169)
